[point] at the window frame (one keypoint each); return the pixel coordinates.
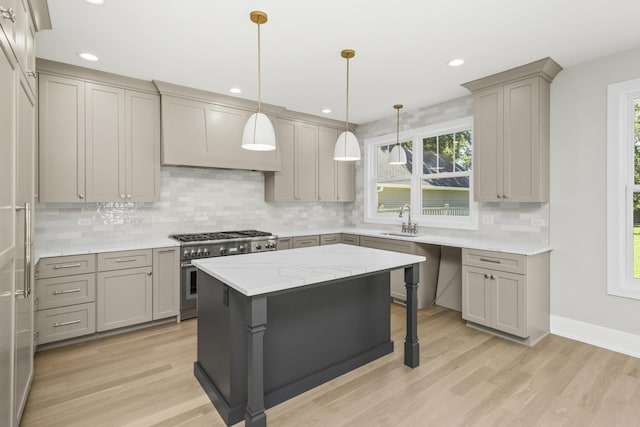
(416, 136)
(620, 188)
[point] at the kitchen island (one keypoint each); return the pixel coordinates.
(273, 325)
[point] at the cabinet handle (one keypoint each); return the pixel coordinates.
(297, 197)
(8, 13)
(59, 266)
(122, 196)
(162, 251)
(67, 291)
(81, 196)
(71, 322)
(149, 273)
(125, 259)
(504, 196)
(498, 196)
(495, 261)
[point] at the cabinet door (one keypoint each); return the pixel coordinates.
(521, 141)
(142, 147)
(488, 145)
(6, 23)
(306, 155)
(124, 297)
(62, 139)
(509, 307)
(476, 295)
(8, 249)
(327, 167)
(280, 186)
(346, 181)
(166, 283)
(105, 127)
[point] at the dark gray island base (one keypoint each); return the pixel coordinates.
(255, 352)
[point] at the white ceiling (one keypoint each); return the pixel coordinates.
(402, 46)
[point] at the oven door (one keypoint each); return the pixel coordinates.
(188, 291)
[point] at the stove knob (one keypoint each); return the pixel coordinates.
(192, 254)
(185, 254)
(223, 251)
(258, 247)
(199, 252)
(205, 252)
(242, 249)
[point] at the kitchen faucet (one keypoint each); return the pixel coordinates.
(408, 227)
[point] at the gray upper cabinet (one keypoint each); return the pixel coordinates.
(511, 133)
(309, 172)
(61, 139)
(98, 143)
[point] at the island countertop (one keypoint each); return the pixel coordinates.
(266, 272)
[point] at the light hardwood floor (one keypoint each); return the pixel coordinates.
(465, 377)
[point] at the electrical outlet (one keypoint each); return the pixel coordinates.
(85, 221)
(537, 222)
(487, 219)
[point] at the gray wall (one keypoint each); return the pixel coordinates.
(578, 194)
(511, 221)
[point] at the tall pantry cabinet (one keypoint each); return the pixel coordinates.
(17, 193)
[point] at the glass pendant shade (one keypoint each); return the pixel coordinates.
(397, 155)
(258, 134)
(347, 147)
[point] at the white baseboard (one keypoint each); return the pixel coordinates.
(611, 339)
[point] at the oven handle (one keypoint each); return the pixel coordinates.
(186, 265)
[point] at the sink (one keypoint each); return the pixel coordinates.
(401, 234)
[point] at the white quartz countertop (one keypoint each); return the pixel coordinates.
(92, 246)
(456, 242)
(265, 272)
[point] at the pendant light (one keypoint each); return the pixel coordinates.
(258, 133)
(347, 147)
(397, 155)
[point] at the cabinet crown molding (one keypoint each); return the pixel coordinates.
(546, 68)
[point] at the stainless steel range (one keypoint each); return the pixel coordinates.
(208, 245)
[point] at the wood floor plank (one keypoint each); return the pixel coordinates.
(465, 378)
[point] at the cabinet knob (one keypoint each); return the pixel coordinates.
(81, 196)
(122, 196)
(128, 196)
(486, 276)
(8, 13)
(492, 277)
(498, 196)
(149, 273)
(504, 196)
(31, 73)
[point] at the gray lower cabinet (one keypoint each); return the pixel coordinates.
(428, 268)
(330, 239)
(306, 241)
(65, 293)
(506, 293)
(166, 283)
(351, 239)
(124, 295)
(284, 243)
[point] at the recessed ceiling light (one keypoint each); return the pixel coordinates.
(326, 110)
(96, 2)
(456, 62)
(235, 90)
(88, 56)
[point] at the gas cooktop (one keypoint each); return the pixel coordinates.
(220, 235)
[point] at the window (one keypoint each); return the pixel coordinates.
(438, 190)
(623, 189)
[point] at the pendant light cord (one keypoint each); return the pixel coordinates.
(398, 129)
(347, 122)
(259, 69)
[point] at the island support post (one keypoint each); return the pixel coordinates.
(411, 345)
(256, 321)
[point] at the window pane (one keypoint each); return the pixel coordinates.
(391, 196)
(385, 170)
(445, 196)
(463, 151)
(447, 153)
(636, 140)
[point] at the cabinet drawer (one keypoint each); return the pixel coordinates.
(351, 239)
(330, 239)
(65, 266)
(58, 324)
(285, 243)
(61, 291)
(511, 263)
(128, 259)
(387, 244)
(305, 241)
